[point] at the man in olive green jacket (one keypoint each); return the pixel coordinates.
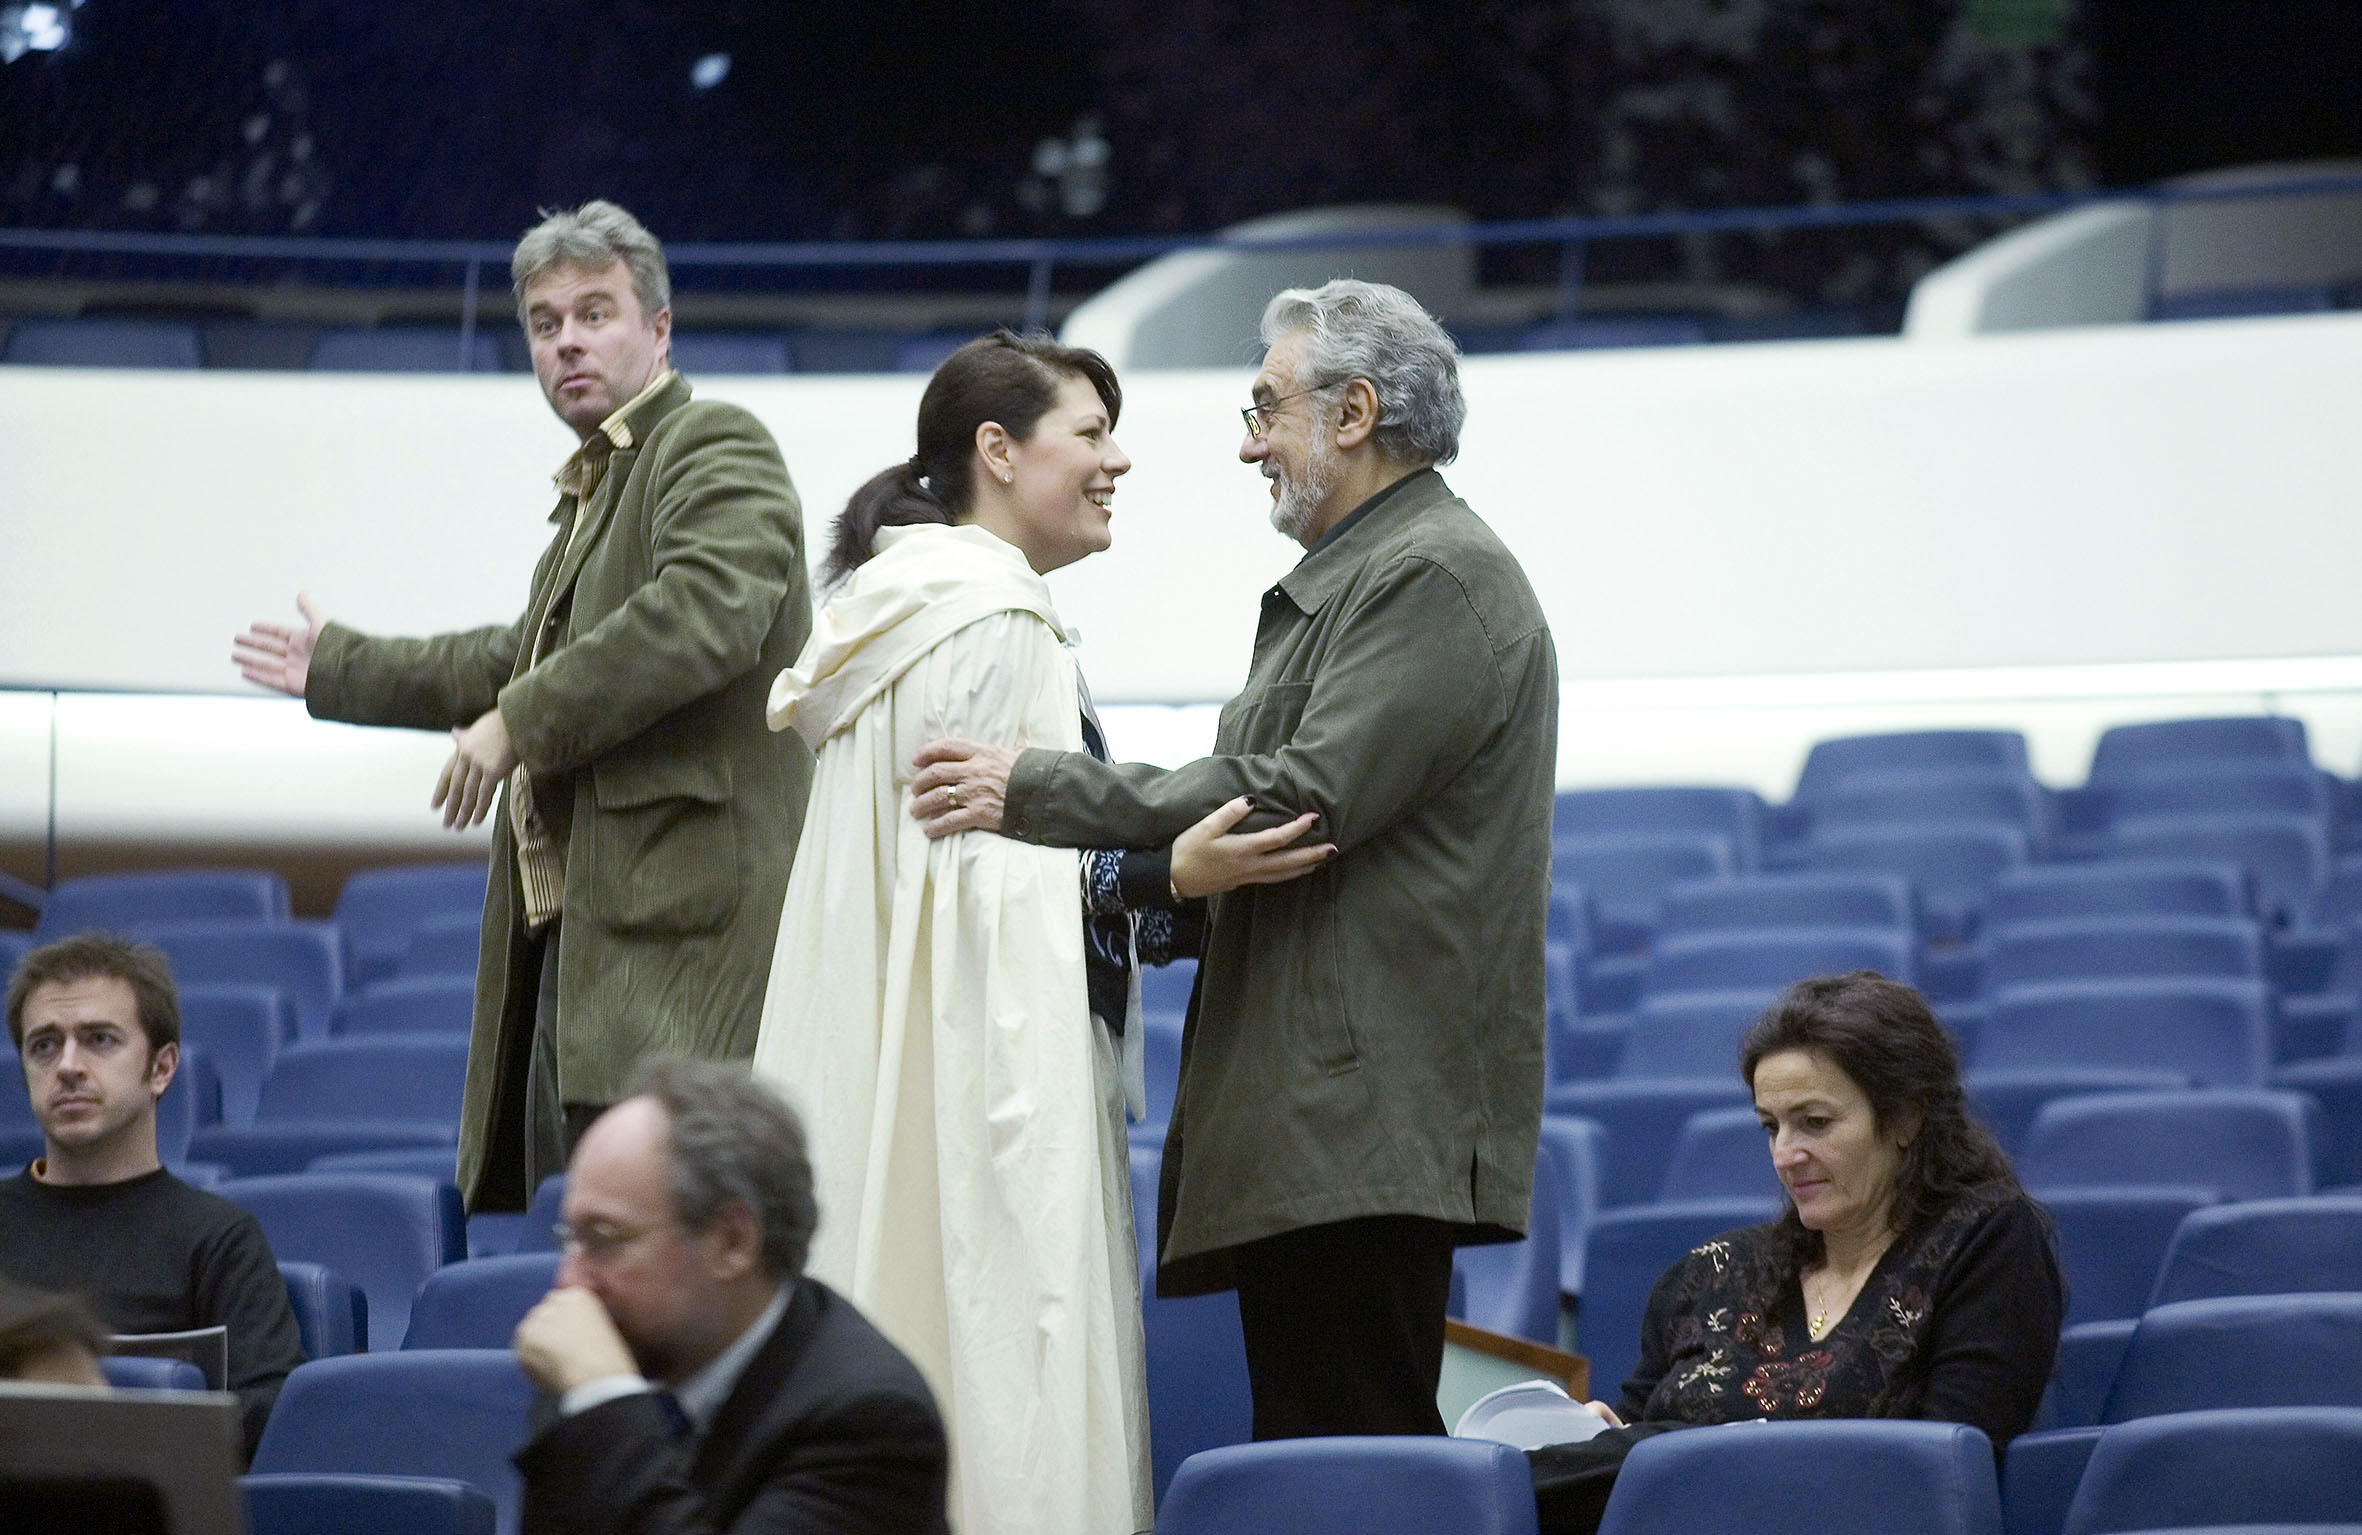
(646, 815)
(1361, 1078)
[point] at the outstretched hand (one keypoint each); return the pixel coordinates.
(961, 786)
(279, 656)
(1210, 858)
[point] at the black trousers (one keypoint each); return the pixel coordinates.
(1344, 1326)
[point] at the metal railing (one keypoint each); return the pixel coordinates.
(1041, 258)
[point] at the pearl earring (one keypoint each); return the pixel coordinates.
(1008, 476)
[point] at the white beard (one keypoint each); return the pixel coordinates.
(1297, 511)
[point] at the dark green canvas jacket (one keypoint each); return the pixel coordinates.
(643, 730)
(1365, 1040)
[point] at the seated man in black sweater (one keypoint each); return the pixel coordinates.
(695, 1379)
(96, 1024)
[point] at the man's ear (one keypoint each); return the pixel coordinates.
(161, 1067)
(1357, 416)
(734, 1243)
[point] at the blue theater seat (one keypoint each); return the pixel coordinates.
(2254, 1247)
(2125, 751)
(1402, 1485)
(1625, 873)
(332, 1315)
(2269, 1351)
(2243, 1143)
(2092, 948)
(241, 1029)
(371, 1092)
(1953, 864)
(124, 902)
(2052, 1041)
(134, 1372)
(2287, 853)
(1772, 959)
(380, 908)
(1578, 1149)
(384, 1232)
(2286, 1465)
(302, 960)
(2121, 887)
(1736, 814)
(1841, 759)
(325, 1503)
(1789, 901)
(1198, 1396)
(537, 1233)
(478, 1303)
(443, 946)
(702, 352)
(2112, 1242)
(1722, 1154)
(1629, 1250)
(1599, 332)
(1834, 1477)
(2290, 787)
(1512, 1287)
(1915, 798)
(1681, 1057)
(404, 349)
(102, 344)
(449, 1413)
(409, 1004)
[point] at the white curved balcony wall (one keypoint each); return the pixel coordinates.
(1741, 549)
(1200, 309)
(2100, 265)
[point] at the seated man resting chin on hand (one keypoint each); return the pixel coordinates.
(699, 1381)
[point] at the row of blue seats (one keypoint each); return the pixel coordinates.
(2232, 1472)
(399, 919)
(496, 347)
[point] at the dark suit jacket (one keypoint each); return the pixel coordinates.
(829, 1430)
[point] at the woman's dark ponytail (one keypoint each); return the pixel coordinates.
(1002, 377)
(891, 498)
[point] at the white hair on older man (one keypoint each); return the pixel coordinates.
(1368, 330)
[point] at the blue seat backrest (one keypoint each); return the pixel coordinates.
(2093, 948)
(2125, 750)
(1776, 1478)
(303, 960)
(478, 1303)
(1352, 1487)
(2121, 887)
(2273, 1466)
(1772, 958)
(383, 1232)
(1722, 1154)
(2243, 1143)
(122, 902)
(1789, 901)
(328, 1503)
(2265, 1247)
(2216, 1032)
(103, 344)
(368, 1077)
(1840, 759)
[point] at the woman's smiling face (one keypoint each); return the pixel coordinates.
(1833, 1157)
(1064, 478)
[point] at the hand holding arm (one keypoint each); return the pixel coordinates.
(1210, 858)
(481, 757)
(278, 656)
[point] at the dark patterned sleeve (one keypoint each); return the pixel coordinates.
(1115, 882)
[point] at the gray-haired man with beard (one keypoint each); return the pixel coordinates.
(1361, 1080)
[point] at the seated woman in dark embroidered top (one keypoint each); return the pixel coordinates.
(1909, 1276)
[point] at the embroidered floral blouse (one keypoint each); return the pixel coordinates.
(1959, 1323)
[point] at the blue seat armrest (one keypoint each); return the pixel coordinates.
(2039, 1473)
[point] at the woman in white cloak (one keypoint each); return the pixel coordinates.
(957, 1020)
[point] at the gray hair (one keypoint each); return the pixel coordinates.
(591, 236)
(735, 1142)
(1370, 331)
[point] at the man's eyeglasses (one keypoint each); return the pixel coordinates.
(597, 1240)
(1260, 416)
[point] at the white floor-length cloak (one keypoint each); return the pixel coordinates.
(928, 1017)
